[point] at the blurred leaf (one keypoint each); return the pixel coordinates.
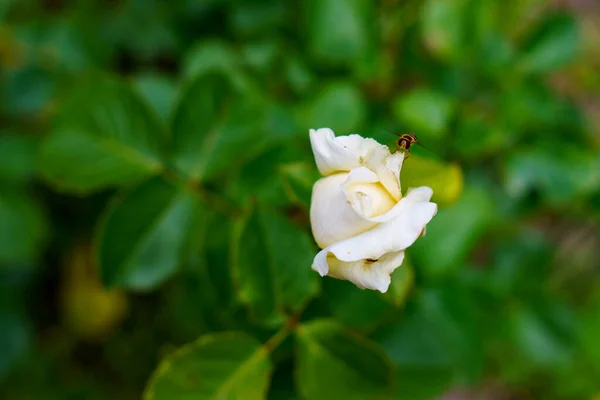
(255, 18)
(520, 262)
(158, 91)
(143, 28)
(271, 261)
(201, 299)
(338, 30)
(443, 26)
(453, 232)
(14, 338)
(536, 108)
(551, 44)
(26, 91)
(439, 334)
(445, 179)
(260, 54)
(425, 112)
(216, 127)
(212, 56)
(4, 8)
(417, 340)
(259, 180)
(536, 340)
(298, 180)
(476, 137)
(352, 306)
(105, 137)
(560, 173)
(22, 228)
(339, 106)
(219, 366)
(144, 232)
(403, 280)
(423, 383)
(299, 77)
(17, 158)
(334, 363)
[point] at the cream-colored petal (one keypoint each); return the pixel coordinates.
(339, 154)
(387, 167)
(367, 274)
(410, 216)
(366, 194)
(332, 217)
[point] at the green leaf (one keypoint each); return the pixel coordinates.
(452, 233)
(14, 338)
(445, 179)
(272, 261)
(477, 137)
(17, 158)
(334, 363)
(298, 180)
(214, 56)
(298, 75)
(352, 306)
(339, 106)
(220, 366)
(443, 27)
(217, 127)
(426, 112)
(22, 228)
(403, 280)
(256, 18)
(559, 173)
(423, 383)
(536, 340)
(338, 30)
(144, 233)
(158, 91)
(27, 90)
(105, 137)
(551, 44)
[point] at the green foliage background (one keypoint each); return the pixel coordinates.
(155, 177)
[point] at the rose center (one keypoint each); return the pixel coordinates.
(370, 199)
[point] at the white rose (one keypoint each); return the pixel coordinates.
(358, 215)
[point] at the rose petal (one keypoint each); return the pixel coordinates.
(406, 222)
(366, 194)
(387, 167)
(339, 154)
(332, 217)
(367, 274)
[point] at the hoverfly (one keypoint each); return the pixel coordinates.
(405, 140)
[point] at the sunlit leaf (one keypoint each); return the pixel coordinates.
(445, 179)
(220, 366)
(352, 366)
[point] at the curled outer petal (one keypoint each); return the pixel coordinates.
(339, 154)
(396, 230)
(332, 217)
